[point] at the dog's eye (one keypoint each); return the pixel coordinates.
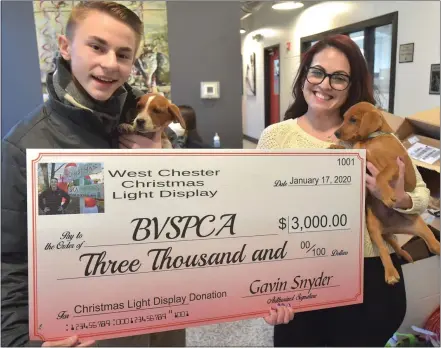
(156, 110)
(353, 119)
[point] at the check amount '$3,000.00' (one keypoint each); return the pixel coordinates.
(275, 231)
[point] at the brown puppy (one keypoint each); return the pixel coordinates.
(365, 127)
(153, 112)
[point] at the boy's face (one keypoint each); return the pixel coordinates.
(101, 54)
(54, 183)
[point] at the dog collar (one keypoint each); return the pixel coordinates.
(377, 133)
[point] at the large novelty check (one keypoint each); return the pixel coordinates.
(151, 241)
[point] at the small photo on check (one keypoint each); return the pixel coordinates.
(70, 188)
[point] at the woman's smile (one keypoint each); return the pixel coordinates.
(322, 96)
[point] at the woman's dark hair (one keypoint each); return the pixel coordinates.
(361, 88)
(189, 116)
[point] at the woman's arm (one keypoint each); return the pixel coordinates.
(414, 202)
(269, 138)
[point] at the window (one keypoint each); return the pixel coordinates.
(358, 38)
(377, 39)
(382, 63)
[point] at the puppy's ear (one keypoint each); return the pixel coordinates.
(176, 113)
(141, 102)
(371, 121)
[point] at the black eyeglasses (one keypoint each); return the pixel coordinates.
(337, 81)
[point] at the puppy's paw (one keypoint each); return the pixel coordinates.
(389, 197)
(434, 249)
(165, 143)
(389, 201)
(391, 275)
(125, 128)
(336, 147)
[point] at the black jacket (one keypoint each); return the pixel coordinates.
(53, 125)
(52, 200)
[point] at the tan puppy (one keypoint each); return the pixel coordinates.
(365, 127)
(153, 113)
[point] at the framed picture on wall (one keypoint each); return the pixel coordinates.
(406, 53)
(241, 74)
(250, 75)
(434, 79)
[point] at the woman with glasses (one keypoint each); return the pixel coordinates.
(332, 77)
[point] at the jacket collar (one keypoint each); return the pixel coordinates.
(84, 116)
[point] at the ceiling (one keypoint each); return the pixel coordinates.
(249, 7)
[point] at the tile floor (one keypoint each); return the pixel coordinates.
(244, 333)
(248, 144)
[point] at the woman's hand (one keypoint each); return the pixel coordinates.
(403, 199)
(281, 315)
(135, 141)
(68, 342)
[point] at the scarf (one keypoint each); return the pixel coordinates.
(67, 91)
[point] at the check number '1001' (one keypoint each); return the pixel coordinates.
(346, 161)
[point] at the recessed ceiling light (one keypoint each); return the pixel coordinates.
(246, 15)
(242, 31)
(287, 5)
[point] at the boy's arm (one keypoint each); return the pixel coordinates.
(41, 197)
(14, 272)
(66, 196)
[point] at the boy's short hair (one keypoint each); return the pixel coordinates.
(113, 9)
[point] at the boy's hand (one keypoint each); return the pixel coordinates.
(135, 141)
(69, 342)
(280, 315)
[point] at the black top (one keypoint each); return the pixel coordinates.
(53, 125)
(51, 200)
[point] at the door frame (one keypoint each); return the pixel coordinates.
(266, 77)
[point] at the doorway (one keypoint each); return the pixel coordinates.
(272, 84)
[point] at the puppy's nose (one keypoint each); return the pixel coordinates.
(140, 122)
(337, 134)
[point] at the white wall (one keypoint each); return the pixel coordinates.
(275, 28)
(418, 22)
